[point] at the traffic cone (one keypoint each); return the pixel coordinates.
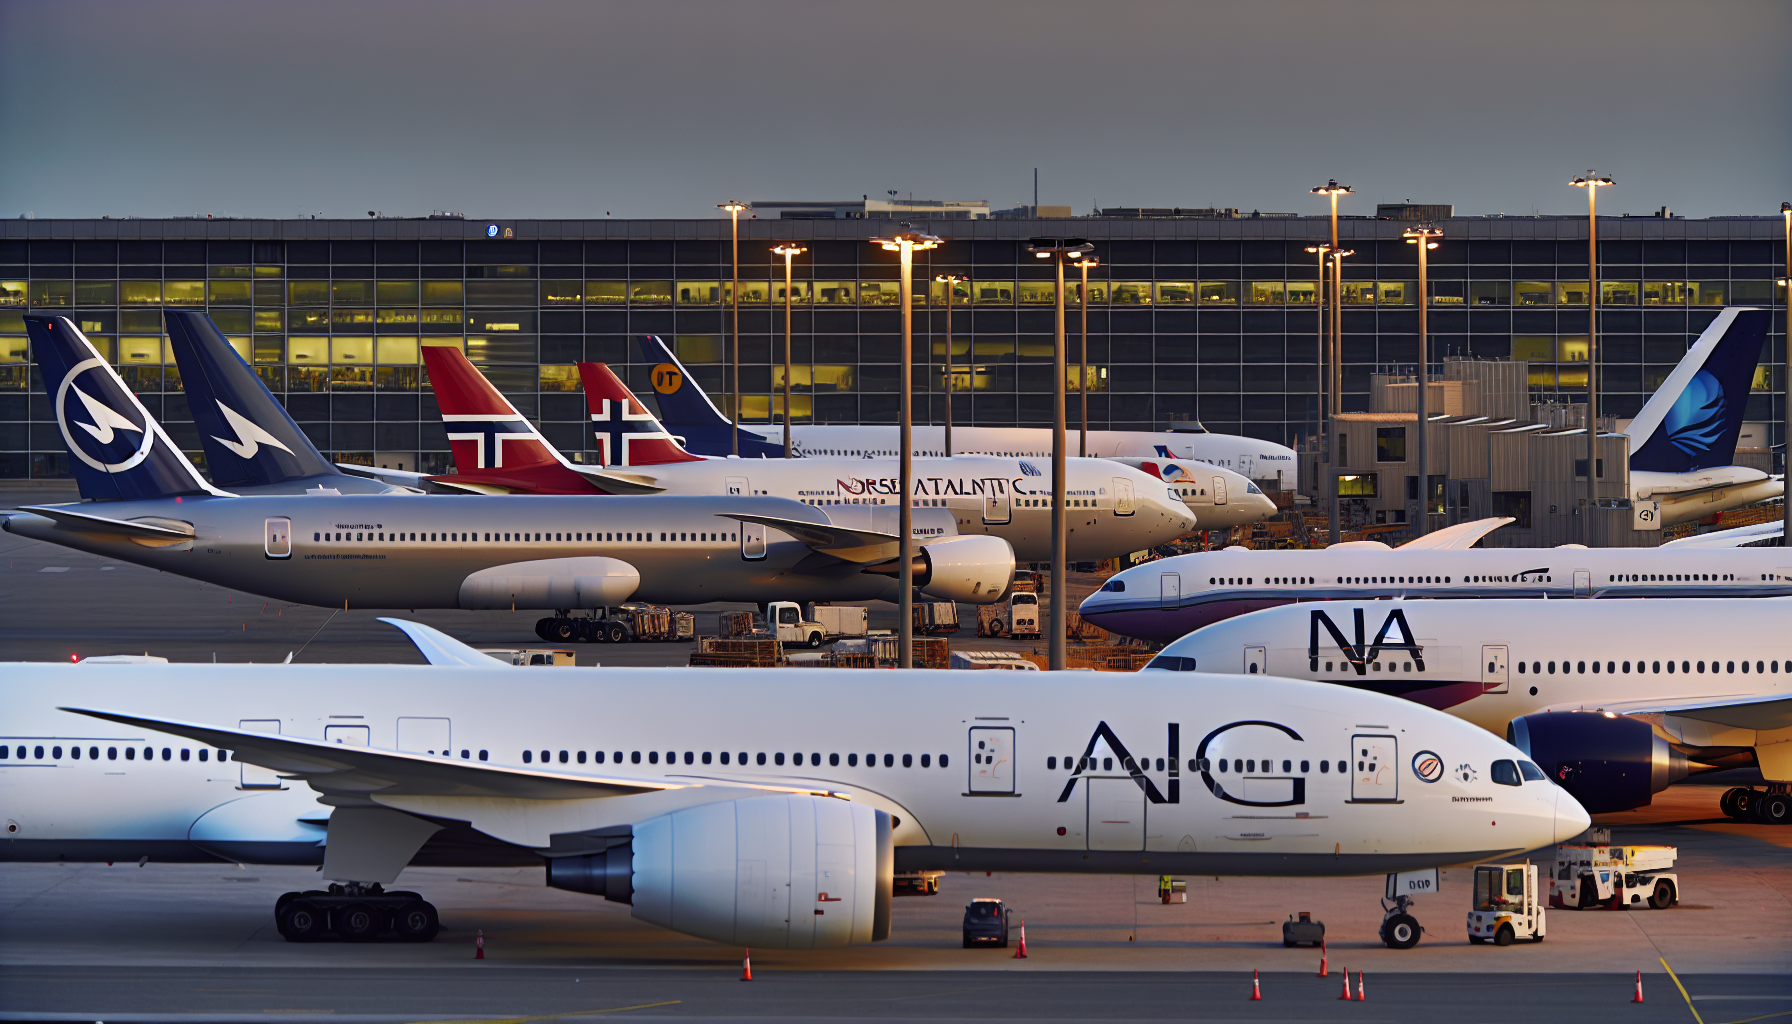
(1639, 988)
(1323, 971)
(1021, 953)
(746, 966)
(479, 945)
(1346, 995)
(1256, 989)
(1359, 988)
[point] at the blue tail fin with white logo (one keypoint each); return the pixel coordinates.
(116, 447)
(249, 439)
(689, 414)
(1693, 420)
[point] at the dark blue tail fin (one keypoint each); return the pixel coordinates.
(116, 448)
(687, 412)
(248, 437)
(1693, 420)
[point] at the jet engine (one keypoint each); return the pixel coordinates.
(782, 872)
(1608, 762)
(974, 569)
(585, 582)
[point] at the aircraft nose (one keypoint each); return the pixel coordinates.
(1571, 818)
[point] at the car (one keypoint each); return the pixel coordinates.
(986, 923)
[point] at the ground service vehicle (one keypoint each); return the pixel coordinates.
(532, 656)
(1506, 907)
(936, 617)
(916, 883)
(1616, 877)
(823, 623)
(1017, 617)
(838, 620)
(1304, 930)
(986, 923)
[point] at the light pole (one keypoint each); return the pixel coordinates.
(906, 242)
(1322, 369)
(1424, 236)
(1591, 181)
(951, 281)
(787, 250)
(734, 211)
(1786, 372)
(1057, 250)
(1082, 380)
(1335, 370)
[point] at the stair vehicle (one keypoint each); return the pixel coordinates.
(986, 923)
(1506, 906)
(1614, 877)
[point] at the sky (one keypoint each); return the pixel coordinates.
(664, 108)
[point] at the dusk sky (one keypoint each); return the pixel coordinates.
(662, 108)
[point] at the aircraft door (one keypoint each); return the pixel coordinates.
(1116, 814)
(1583, 583)
(1494, 677)
(1376, 779)
(425, 736)
(992, 760)
(1219, 490)
(738, 485)
(277, 540)
(752, 541)
(1256, 661)
(1123, 497)
(255, 776)
(997, 506)
(1170, 591)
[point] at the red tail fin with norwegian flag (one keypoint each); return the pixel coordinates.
(496, 450)
(627, 434)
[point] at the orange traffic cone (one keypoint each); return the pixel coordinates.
(1323, 971)
(1346, 995)
(1021, 953)
(1639, 988)
(1359, 987)
(479, 945)
(746, 966)
(1256, 989)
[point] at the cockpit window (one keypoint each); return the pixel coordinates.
(1505, 773)
(1251, 488)
(1114, 586)
(1531, 772)
(1172, 663)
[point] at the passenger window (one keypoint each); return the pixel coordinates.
(528, 757)
(634, 757)
(1303, 767)
(760, 759)
(942, 760)
(926, 761)
(1505, 773)
(581, 757)
(778, 758)
(852, 760)
(908, 761)
(688, 757)
(706, 757)
(1324, 766)
(95, 752)
(889, 760)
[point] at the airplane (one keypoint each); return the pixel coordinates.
(1115, 509)
(1683, 440)
(1532, 671)
(689, 413)
(251, 445)
(1219, 498)
(1167, 598)
(146, 504)
(761, 795)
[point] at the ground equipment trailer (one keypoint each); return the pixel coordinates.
(1614, 877)
(1506, 905)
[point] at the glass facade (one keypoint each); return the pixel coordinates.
(1188, 319)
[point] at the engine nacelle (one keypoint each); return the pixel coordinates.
(781, 872)
(971, 569)
(586, 582)
(1608, 762)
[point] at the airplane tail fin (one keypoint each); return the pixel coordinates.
(1693, 420)
(484, 430)
(117, 449)
(688, 413)
(627, 434)
(248, 437)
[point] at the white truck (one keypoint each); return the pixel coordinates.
(1614, 877)
(822, 623)
(1507, 906)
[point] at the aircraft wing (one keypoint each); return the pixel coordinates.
(1733, 538)
(438, 648)
(848, 545)
(361, 772)
(1460, 537)
(87, 522)
(1759, 711)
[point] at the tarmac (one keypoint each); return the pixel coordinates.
(166, 942)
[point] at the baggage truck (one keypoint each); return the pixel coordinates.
(1614, 877)
(936, 617)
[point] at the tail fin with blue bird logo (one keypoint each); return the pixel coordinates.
(1692, 421)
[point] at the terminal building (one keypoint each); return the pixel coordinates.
(1193, 315)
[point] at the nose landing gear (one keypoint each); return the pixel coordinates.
(355, 913)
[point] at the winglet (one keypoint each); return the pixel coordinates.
(1460, 537)
(627, 434)
(438, 648)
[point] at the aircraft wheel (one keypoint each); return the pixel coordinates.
(1504, 936)
(1743, 804)
(1400, 932)
(301, 921)
(542, 626)
(1772, 808)
(416, 921)
(1727, 802)
(285, 898)
(563, 630)
(360, 922)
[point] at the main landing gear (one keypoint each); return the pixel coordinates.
(355, 913)
(566, 628)
(1771, 806)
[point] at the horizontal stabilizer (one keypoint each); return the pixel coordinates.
(617, 482)
(1460, 537)
(87, 522)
